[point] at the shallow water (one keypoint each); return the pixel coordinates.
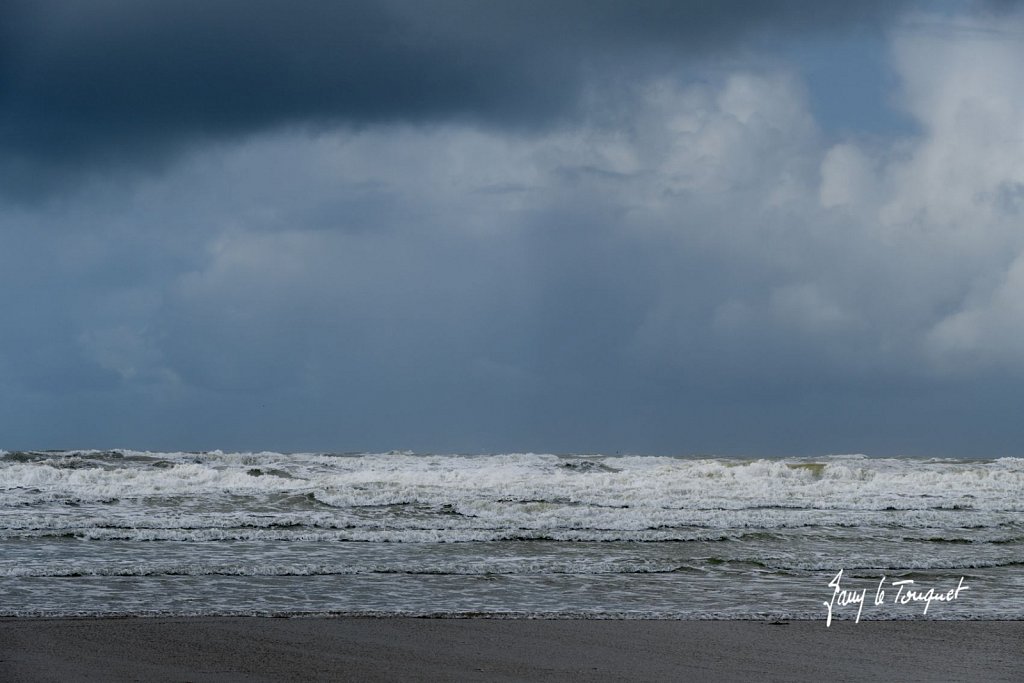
(123, 532)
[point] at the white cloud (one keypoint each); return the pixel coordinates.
(849, 178)
(984, 333)
(957, 194)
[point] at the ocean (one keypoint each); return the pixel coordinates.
(510, 535)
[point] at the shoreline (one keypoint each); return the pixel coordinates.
(403, 648)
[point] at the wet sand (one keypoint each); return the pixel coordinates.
(397, 649)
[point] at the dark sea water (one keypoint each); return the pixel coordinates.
(518, 535)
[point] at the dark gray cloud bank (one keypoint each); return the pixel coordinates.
(493, 226)
(96, 82)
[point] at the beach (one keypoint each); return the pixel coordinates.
(368, 649)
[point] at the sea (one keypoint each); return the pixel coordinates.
(517, 535)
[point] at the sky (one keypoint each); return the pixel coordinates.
(759, 228)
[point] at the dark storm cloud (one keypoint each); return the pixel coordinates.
(633, 229)
(105, 81)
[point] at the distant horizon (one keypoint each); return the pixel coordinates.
(560, 454)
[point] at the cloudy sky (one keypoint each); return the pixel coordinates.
(762, 227)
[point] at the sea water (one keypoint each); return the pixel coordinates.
(514, 535)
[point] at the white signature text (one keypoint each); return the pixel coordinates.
(906, 593)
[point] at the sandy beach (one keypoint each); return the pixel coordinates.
(370, 649)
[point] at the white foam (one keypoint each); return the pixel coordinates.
(500, 496)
